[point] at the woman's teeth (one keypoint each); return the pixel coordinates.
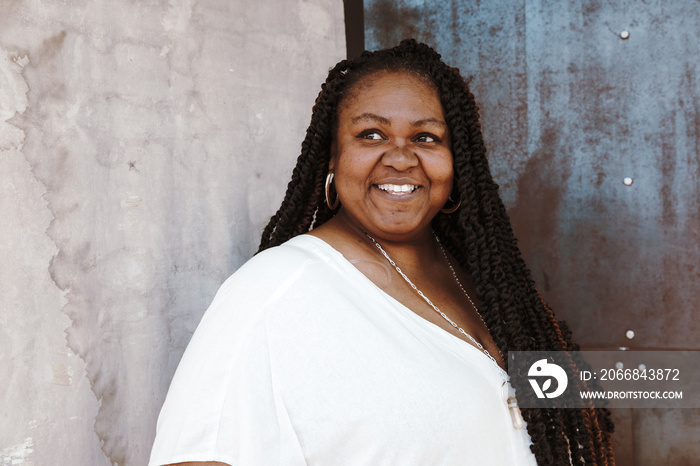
(397, 188)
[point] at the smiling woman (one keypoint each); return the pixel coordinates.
(371, 327)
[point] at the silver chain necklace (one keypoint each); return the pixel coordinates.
(511, 401)
(430, 303)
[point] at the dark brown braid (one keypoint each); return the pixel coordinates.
(479, 236)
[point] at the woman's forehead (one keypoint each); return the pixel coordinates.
(374, 89)
(371, 78)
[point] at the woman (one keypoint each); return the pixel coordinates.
(371, 327)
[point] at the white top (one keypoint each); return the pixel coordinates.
(302, 360)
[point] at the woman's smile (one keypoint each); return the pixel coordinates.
(398, 189)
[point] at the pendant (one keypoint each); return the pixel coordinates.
(515, 416)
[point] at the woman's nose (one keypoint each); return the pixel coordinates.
(400, 157)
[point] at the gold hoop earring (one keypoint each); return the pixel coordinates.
(449, 210)
(331, 205)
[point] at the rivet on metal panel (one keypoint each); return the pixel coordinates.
(619, 365)
(624, 35)
(623, 348)
(627, 181)
(642, 367)
(629, 334)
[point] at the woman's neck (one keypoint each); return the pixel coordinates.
(412, 250)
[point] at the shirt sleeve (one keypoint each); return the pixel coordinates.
(222, 404)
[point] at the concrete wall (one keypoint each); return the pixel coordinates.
(570, 108)
(142, 147)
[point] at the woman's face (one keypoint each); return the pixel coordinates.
(392, 156)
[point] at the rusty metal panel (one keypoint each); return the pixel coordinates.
(667, 437)
(591, 114)
(570, 109)
(623, 438)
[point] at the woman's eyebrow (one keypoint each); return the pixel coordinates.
(367, 116)
(429, 120)
(371, 117)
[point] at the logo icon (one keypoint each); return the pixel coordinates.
(542, 368)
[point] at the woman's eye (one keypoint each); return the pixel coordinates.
(427, 138)
(371, 134)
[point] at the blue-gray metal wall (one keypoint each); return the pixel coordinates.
(590, 111)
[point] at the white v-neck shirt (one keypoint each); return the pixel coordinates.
(302, 360)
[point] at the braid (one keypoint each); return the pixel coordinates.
(479, 236)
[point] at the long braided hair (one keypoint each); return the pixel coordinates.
(478, 235)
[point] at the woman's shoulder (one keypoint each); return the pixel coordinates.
(279, 262)
(299, 248)
(296, 264)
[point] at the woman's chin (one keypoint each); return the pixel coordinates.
(399, 231)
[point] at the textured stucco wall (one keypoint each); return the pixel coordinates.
(142, 147)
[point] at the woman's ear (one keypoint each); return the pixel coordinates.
(334, 155)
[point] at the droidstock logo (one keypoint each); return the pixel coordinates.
(541, 369)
